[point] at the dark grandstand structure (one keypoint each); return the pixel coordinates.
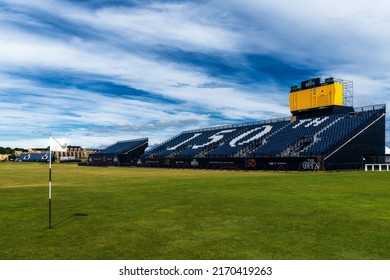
(325, 132)
(122, 153)
(33, 157)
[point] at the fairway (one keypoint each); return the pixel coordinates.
(138, 213)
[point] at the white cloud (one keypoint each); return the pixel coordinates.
(165, 24)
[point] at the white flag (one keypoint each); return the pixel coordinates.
(56, 146)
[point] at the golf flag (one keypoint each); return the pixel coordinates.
(54, 146)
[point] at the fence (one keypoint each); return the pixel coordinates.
(376, 167)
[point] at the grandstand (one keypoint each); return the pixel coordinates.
(33, 157)
(324, 132)
(122, 153)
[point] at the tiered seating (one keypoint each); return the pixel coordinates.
(247, 137)
(340, 132)
(175, 144)
(205, 141)
(292, 134)
(282, 138)
(216, 142)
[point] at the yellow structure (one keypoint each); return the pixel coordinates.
(315, 97)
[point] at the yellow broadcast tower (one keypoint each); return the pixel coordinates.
(313, 94)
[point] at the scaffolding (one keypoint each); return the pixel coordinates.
(347, 91)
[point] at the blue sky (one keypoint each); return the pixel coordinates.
(95, 72)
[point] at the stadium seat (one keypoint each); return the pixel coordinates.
(313, 136)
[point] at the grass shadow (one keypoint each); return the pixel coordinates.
(69, 217)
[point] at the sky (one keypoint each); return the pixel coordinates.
(91, 73)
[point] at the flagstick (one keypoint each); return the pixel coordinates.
(50, 185)
(56, 147)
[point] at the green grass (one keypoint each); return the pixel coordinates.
(130, 213)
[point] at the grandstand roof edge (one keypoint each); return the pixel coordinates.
(132, 140)
(371, 107)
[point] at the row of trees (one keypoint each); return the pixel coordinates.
(10, 151)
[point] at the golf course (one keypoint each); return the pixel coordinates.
(181, 214)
